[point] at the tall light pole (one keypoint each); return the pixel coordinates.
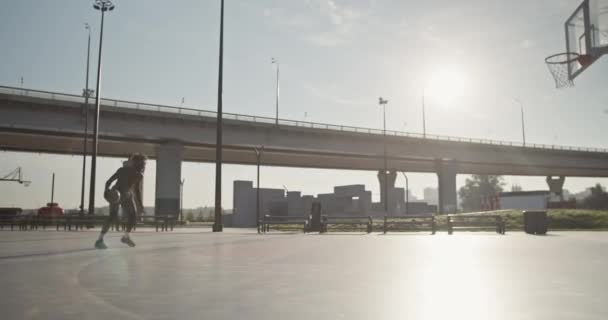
(383, 103)
(407, 192)
(258, 156)
(423, 117)
(276, 62)
(52, 192)
(523, 128)
(86, 94)
(181, 199)
(217, 223)
(103, 6)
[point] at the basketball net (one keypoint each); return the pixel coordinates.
(559, 65)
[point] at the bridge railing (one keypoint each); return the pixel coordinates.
(267, 120)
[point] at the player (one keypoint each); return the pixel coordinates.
(129, 186)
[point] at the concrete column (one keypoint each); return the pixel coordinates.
(556, 186)
(391, 176)
(446, 173)
(168, 176)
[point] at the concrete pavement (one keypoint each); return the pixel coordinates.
(196, 274)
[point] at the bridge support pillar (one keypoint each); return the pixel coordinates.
(382, 176)
(446, 173)
(168, 178)
(556, 186)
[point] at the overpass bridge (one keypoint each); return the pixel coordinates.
(42, 121)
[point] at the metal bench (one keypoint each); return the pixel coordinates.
(476, 222)
(268, 220)
(78, 222)
(356, 221)
(410, 223)
(9, 221)
(162, 222)
(9, 217)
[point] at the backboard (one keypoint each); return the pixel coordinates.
(586, 35)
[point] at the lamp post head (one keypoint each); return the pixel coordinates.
(86, 26)
(382, 101)
(274, 60)
(103, 5)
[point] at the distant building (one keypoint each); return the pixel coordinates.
(431, 196)
(524, 200)
(244, 203)
(344, 201)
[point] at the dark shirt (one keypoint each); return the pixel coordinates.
(129, 182)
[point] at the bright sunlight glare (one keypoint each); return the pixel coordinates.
(446, 85)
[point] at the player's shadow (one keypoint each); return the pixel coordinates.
(45, 254)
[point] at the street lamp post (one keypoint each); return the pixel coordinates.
(258, 156)
(423, 117)
(86, 94)
(217, 224)
(276, 62)
(181, 199)
(523, 128)
(407, 192)
(103, 6)
(383, 103)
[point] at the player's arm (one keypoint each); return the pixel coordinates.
(112, 179)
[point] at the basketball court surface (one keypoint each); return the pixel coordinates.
(198, 274)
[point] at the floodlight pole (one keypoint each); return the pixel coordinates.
(423, 117)
(181, 200)
(276, 61)
(383, 103)
(407, 192)
(86, 121)
(523, 127)
(258, 156)
(103, 6)
(53, 191)
(217, 224)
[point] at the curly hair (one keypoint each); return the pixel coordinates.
(138, 160)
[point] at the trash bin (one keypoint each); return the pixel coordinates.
(535, 222)
(315, 219)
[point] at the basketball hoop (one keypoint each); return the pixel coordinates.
(560, 64)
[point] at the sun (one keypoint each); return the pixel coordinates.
(446, 85)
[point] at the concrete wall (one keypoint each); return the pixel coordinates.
(245, 199)
(168, 178)
(524, 202)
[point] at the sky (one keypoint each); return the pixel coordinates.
(472, 59)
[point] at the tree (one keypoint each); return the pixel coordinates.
(190, 216)
(598, 199)
(479, 187)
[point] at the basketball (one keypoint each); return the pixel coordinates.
(112, 196)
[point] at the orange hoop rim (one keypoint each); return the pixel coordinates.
(563, 58)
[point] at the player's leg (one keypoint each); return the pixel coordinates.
(128, 210)
(99, 244)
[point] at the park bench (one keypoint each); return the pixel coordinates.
(9, 217)
(24, 222)
(476, 222)
(8, 221)
(268, 220)
(355, 221)
(162, 222)
(80, 222)
(410, 223)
